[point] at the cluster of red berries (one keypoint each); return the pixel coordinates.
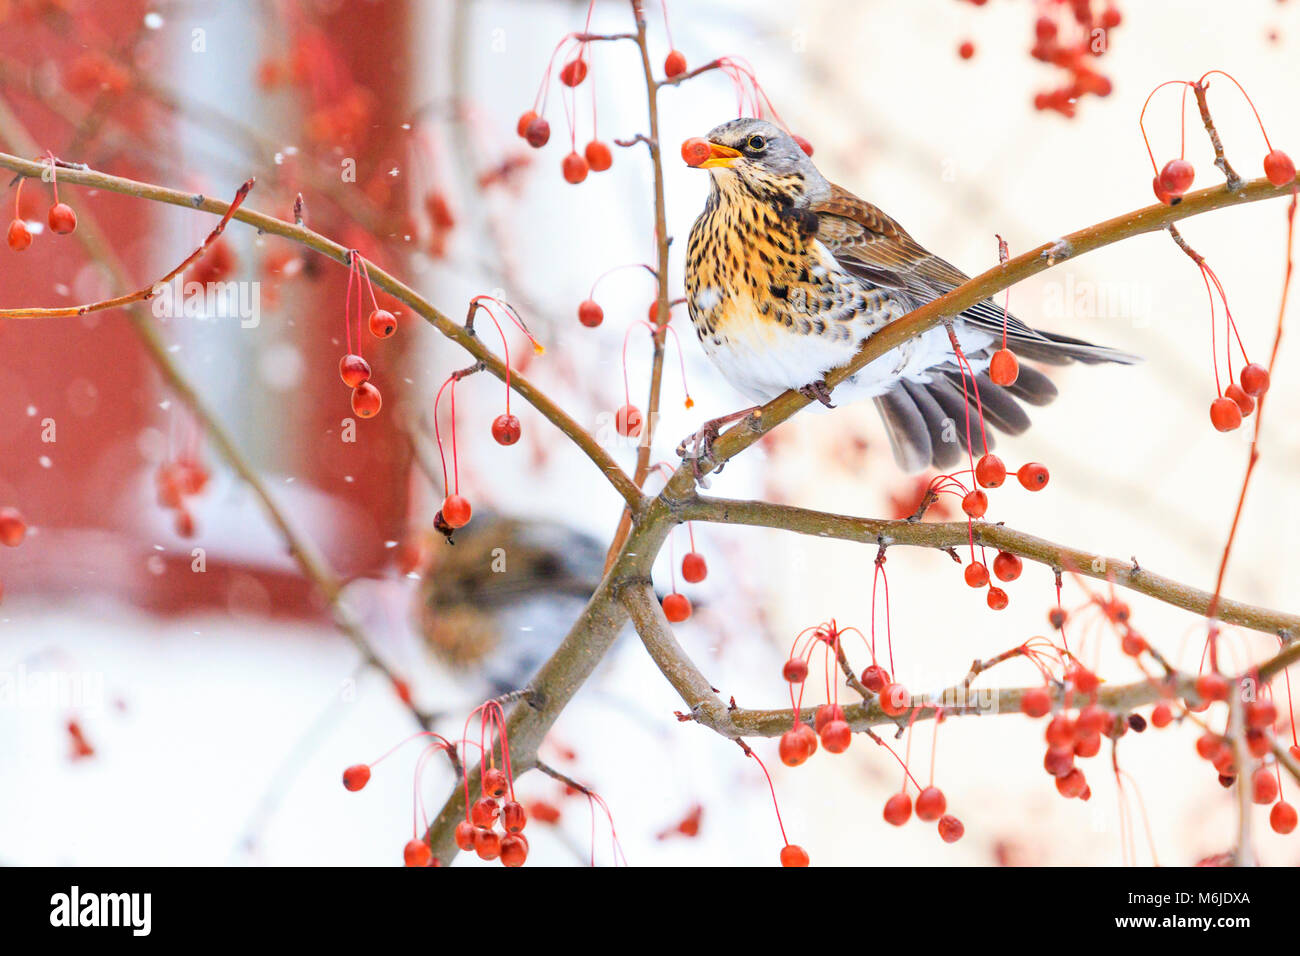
(12, 531)
(176, 481)
(477, 831)
(990, 472)
(1239, 400)
(1074, 54)
(677, 606)
(353, 369)
(1079, 736)
(931, 805)
(61, 218)
(1265, 779)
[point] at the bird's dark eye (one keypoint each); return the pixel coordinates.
(755, 144)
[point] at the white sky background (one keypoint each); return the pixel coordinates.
(955, 152)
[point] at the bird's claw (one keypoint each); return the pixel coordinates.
(818, 391)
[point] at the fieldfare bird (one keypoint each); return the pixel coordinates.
(787, 275)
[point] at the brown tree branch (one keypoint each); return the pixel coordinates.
(942, 536)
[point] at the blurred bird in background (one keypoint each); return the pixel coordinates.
(499, 600)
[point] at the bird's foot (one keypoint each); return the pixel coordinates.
(699, 446)
(818, 391)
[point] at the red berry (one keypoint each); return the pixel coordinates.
(1045, 29)
(1161, 193)
(354, 370)
(574, 168)
(1058, 761)
(62, 219)
(1254, 380)
(951, 829)
(1110, 18)
(966, 50)
(1278, 168)
(12, 527)
(1060, 732)
(1090, 721)
(894, 699)
(1238, 395)
(513, 816)
(1007, 566)
(1212, 687)
(792, 855)
(836, 736)
(1209, 746)
(976, 574)
(975, 503)
(598, 156)
(1261, 714)
(795, 670)
(1004, 368)
(694, 568)
(1224, 414)
(695, 151)
(930, 804)
(1033, 476)
(898, 809)
(628, 421)
(505, 429)
(417, 853)
(676, 607)
(366, 400)
(825, 714)
(1084, 680)
(1133, 644)
(990, 472)
(997, 599)
(514, 850)
(1282, 818)
(1177, 176)
(465, 835)
(797, 745)
(574, 72)
(456, 511)
(674, 64)
(1036, 702)
(356, 777)
(20, 237)
(538, 132)
(1088, 746)
(487, 843)
(525, 120)
(495, 782)
(1263, 784)
(590, 313)
(484, 812)
(802, 143)
(1072, 784)
(1161, 716)
(874, 678)
(1258, 742)
(382, 323)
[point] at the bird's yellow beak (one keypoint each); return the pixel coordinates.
(720, 156)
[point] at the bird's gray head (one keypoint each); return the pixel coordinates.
(763, 155)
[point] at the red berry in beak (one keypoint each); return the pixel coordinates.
(695, 151)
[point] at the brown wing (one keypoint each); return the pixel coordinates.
(875, 248)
